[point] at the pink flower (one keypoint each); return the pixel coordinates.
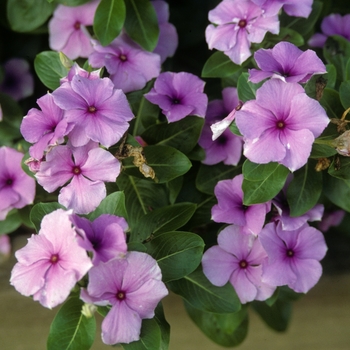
(237, 24)
(238, 259)
(179, 95)
(133, 286)
(130, 67)
(231, 210)
(293, 256)
(86, 167)
(98, 111)
(281, 124)
(51, 263)
(67, 29)
(296, 8)
(44, 128)
(17, 189)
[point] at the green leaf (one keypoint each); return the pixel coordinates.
(285, 34)
(27, 15)
(276, 316)
(347, 70)
(337, 191)
(224, 329)
(167, 163)
(304, 190)
(113, 204)
(201, 294)
(246, 90)
(109, 20)
(49, 69)
(163, 325)
(341, 170)
(11, 223)
(219, 65)
(177, 253)
(262, 182)
(141, 23)
(208, 176)
(141, 197)
(322, 151)
(182, 135)
(331, 102)
(344, 94)
(40, 210)
(70, 329)
(150, 337)
(72, 2)
(161, 220)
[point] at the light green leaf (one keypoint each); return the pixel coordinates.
(50, 70)
(70, 329)
(109, 20)
(219, 65)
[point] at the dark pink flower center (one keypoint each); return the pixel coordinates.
(123, 58)
(54, 258)
(76, 170)
(92, 109)
(243, 264)
(120, 295)
(176, 101)
(9, 182)
(222, 140)
(242, 23)
(77, 25)
(290, 253)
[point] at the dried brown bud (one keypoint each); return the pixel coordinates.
(342, 144)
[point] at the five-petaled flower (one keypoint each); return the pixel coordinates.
(52, 262)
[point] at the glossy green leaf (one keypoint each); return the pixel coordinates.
(49, 69)
(161, 220)
(167, 163)
(285, 34)
(40, 210)
(150, 337)
(141, 197)
(344, 94)
(201, 294)
(304, 190)
(113, 204)
(27, 15)
(208, 176)
(109, 20)
(11, 223)
(322, 151)
(182, 135)
(337, 191)
(72, 2)
(219, 65)
(70, 329)
(141, 23)
(331, 102)
(177, 253)
(347, 70)
(246, 90)
(262, 182)
(224, 329)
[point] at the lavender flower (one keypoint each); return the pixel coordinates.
(228, 146)
(179, 95)
(87, 167)
(130, 67)
(17, 189)
(18, 82)
(104, 237)
(281, 124)
(98, 111)
(133, 286)
(238, 258)
(68, 32)
(334, 24)
(168, 39)
(45, 128)
(231, 210)
(293, 256)
(51, 263)
(296, 8)
(286, 62)
(237, 24)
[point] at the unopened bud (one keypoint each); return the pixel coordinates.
(342, 144)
